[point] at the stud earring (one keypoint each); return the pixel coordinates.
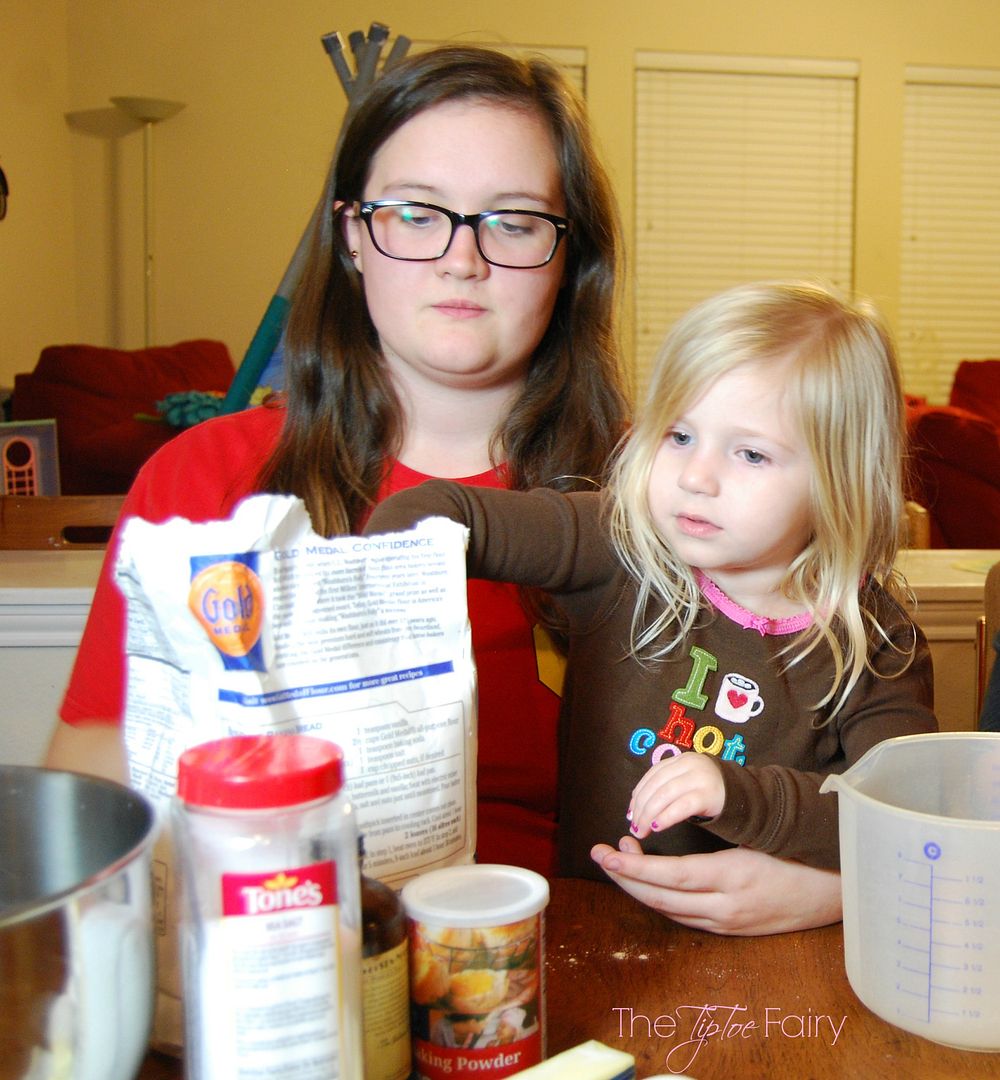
(354, 254)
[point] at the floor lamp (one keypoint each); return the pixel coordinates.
(148, 111)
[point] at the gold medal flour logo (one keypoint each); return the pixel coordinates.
(227, 598)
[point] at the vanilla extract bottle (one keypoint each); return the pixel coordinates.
(385, 981)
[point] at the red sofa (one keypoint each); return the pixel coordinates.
(954, 467)
(97, 397)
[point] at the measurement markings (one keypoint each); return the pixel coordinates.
(930, 930)
(933, 917)
(919, 950)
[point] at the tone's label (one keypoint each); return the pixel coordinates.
(227, 598)
(270, 976)
(303, 889)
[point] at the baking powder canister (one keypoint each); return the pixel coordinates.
(477, 978)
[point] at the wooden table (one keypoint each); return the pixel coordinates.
(613, 963)
(614, 967)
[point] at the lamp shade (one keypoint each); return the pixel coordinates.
(148, 110)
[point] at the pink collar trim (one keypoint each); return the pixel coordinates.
(747, 619)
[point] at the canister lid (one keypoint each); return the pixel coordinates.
(484, 894)
(246, 772)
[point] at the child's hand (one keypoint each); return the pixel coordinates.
(673, 790)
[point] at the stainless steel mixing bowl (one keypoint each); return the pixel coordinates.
(76, 948)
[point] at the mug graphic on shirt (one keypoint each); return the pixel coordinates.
(739, 699)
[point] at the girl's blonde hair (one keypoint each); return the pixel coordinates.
(846, 389)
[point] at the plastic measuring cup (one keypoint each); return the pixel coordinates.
(920, 866)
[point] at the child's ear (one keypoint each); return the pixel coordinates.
(352, 226)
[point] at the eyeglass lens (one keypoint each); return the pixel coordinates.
(417, 232)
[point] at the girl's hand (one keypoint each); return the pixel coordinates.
(738, 891)
(681, 787)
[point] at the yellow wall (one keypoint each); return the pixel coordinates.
(238, 171)
(38, 261)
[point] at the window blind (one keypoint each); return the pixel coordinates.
(950, 247)
(744, 171)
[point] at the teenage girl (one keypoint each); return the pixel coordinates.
(464, 354)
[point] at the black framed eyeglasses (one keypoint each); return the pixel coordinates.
(422, 232)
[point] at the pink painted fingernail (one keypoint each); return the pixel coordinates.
(634, 827)
(628, 815)
(654, 825)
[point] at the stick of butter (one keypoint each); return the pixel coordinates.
(589, 1061)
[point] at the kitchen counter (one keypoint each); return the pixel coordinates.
(45, 597)
(947, 585)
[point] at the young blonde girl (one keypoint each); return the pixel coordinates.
(734, 626)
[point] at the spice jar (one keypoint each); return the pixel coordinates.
(271, 935)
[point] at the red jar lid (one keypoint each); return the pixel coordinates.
(249, 772)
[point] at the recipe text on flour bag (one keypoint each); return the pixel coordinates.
(256, 625)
